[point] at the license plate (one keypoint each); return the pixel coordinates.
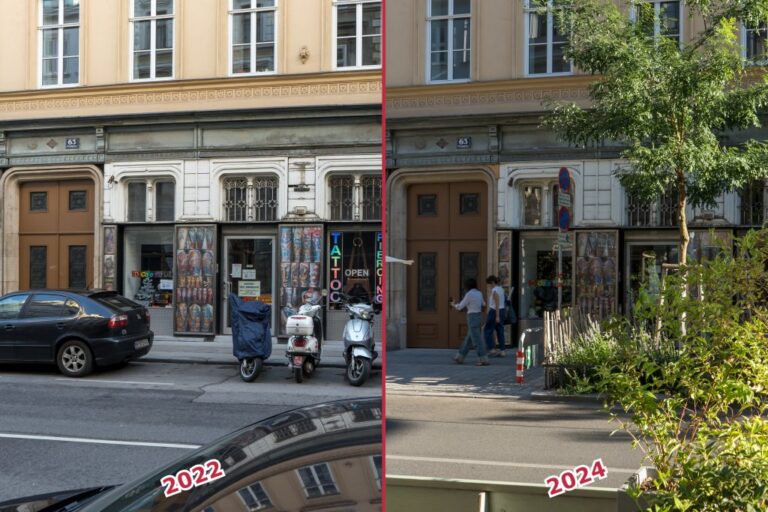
(141, 344)
(298, 360)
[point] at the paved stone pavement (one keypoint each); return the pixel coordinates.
(433, 372)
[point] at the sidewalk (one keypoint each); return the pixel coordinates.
(168, 349)
(432, 372)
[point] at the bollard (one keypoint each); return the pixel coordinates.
(522, 350)
(520, 364)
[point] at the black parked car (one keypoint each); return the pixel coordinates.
(322, 457)
(76, 329)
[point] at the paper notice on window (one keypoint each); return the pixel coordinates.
(237, 270)
(249, 288)
(249, 273)
(165, 284)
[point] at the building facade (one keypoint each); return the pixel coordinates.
(473, 179)
(179, 151)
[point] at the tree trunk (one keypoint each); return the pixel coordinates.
(685, 237)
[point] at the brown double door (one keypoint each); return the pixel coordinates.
(447, 227)
(56, 224)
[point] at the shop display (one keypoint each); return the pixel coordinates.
(109, 269)
(300, 268)
(355, 266)
(596, 273)
(195, 280)
(538, 276)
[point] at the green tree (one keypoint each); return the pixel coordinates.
(667, 104)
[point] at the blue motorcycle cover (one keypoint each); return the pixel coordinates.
(251, 335)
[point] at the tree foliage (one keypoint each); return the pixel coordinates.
(667, 104)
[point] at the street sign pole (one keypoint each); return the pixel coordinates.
(564, 221)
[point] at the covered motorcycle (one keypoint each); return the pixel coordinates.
(251, 335)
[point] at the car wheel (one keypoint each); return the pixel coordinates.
(74, 359)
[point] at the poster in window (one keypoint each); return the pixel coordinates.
(596, 273)
(195, 289)
(504, 251)
(300, 268)
(355, 267)
(109, 264)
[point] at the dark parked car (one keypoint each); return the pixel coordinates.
(321, 457)
(76, 329)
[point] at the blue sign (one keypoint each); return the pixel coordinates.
(564, 218)
(564, 178)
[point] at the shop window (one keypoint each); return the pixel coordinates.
(545, 44)
(59, 40)
(148, 262)
(538, 275)
(358, 33)
(152, 39)
(427, 204)
(38, 201)
(252, 39)
(250, 199)
(255, 497)
(356, 265)
(661, 212)
(752, 209)
(317, 480)
(753, 42)
(78, 200)
(355, 197)
(448, 29)
(427, 272)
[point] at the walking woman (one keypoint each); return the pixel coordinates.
(494, 323)
(473, 301)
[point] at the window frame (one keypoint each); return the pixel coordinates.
(259, 504)
(428, 48)
(152, 18)
(231, 11)
(743, 35)
(317, 482)
(358, 207)
(527, 10)
(250, 197)
(59, 27)
(150, 202)
(548, 210)
(358, 33)
(656, 24)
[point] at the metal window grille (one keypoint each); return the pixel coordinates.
(251, 200)
(342, 201)
(659, 213)
(371, 197)
(753, 203)
(668, 209)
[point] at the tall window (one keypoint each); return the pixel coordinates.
(753, 203)
(545, 44)
(252, 36)
(660, 212)
(152, 40)
(255, 497)
(667, 18)
(540, 202)
(448, 28)
(317, 480)
(147, 196)
(754, 41)
(358, 33)
(355, 197)
(59, 40)
(250, 199)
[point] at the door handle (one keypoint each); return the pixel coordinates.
(60, 325)
(9, 327)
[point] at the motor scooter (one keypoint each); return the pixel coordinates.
(304, 349)
(359, 345)
(251, 335)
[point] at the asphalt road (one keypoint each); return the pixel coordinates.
(507, 440)
(58, 433)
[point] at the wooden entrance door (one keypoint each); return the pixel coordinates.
(447, 226)
(56, 223)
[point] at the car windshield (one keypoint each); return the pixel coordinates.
(325, 453)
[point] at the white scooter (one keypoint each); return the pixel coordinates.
(305, 343)
(359, 345)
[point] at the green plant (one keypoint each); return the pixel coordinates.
(707, 435)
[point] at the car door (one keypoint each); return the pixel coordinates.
(10, 307)
(45, 318)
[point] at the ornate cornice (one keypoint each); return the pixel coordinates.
(473, 94)
(316, 89)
